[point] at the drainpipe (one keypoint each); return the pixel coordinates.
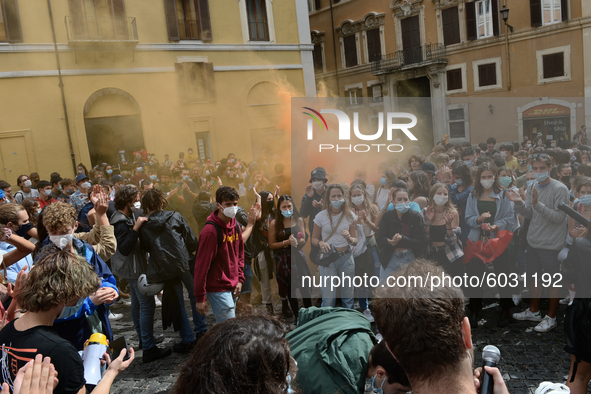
(507, 50)
(334, 47)
(61, 85)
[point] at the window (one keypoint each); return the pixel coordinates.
(482, 19)
(355, 96)
(487, 74)
(454, 79)
(188, 20)
(457, 123)
(317, 56)
(196, 81)
(553, 65)
(10, 25)
(451, 26)
(350, 46)
(484, 23)
(258, 26)
(374, 47)
(551, 11)
(317, 5)
(546, 12)
(375, 92)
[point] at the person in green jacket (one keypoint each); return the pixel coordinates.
(337, 352)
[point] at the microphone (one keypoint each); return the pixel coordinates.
(491, 355)
(573, 214)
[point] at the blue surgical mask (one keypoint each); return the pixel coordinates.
(468, 163)
(529, 168)
(505, 181)
(186, 178)
(459, 182)
(383, 181)
(585, 200)
(153, 177)
(140, 169)
(109, 172)
(541, 176)
(375, 389)
(530, 182)
(390, 207)
(287, 214)
(337, 204)
(403, 207)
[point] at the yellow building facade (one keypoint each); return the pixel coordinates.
(167, 75)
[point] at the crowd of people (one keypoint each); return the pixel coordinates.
(140, 228)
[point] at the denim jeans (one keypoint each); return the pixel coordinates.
(198, 319)
(364, 268)
(142, 314)
(343, 267)
(185, 332)
(397, 261)
(223, 305)
(247, 285)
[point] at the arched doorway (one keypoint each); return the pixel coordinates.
(112, 121)
(551, 117)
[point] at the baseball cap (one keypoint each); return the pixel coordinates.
(428, 167)
(80, 177)
(117, 178)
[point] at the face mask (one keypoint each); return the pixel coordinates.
(61, 241)
(528, 146)
(468, 163)
(206, 172)
(440, 200)
(459, 182)
(287, 214)
(403, 207)
(530, 182)
(529, 168)
(140, 169)
(185, 178)
(337, 204)
(270, 204)
(136, 206)
(153, 177)
(585, 200)
(28, 183)
(357, 200)
(541, 176)
(487, 183)
(383, 181)
(451, 162)
(317, 185)
(109, 172)
(80, 171)
(503, 154)
(232, 160)
(86, 185)
(190, 152)
(374, 388)
(572, 194)
(566, 179)
(230, 212)
(390, 207)
(521, 162)
(505, 181)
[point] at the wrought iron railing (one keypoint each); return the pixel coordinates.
(101, 28)
(432, 53)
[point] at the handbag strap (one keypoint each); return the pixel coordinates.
(336, 228)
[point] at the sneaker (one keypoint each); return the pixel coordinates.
(528, 315)
(546, 324)
(115, 316)
(157, 301)
(564, 301)
(182, 347)
(155, 353)
(368, 315)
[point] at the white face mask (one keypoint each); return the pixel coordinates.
(86, 185)
(487, 183)
(136, 206)
(61, 241)
(440, 200)
(317, 185)
(358, 200)
(230, 212)
(28, 183)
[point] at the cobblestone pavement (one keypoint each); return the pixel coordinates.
(528, 358)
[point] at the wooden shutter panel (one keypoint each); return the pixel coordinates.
(451, 26)
(350, 51)
(564, 9)
(495, 17)
(471, 30)
(179, 68)
(172, 22)
(374, 48)
(13, 23)
(535, 10)
(447, 35)
(204, 20)
(210, 78)
(317, 5)
(118, 8)
(553, 65)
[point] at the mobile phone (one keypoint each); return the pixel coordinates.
(117, 346)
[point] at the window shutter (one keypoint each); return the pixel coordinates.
(350, 51)
(204, 20)
(487, 74)
(13, 23)
(317, 5)
(172, 23)
(374, 49)
(471, 21)
(454, 79)
(317, 57)
(535, 10)
(118, 7)
(495, 17)
(447, 35)
(181, 81)
(451, 26)
(210, 78)
(564, 9)
(553, 65)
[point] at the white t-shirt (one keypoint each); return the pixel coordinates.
(382, 197)
(323, 221)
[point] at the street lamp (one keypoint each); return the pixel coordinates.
(505, 15)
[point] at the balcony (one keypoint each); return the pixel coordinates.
(406, 59)
(101, 29)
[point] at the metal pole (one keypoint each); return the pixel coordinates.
(334, 47)
(507, 50)
(61, 85)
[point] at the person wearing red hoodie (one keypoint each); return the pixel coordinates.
(219, 266)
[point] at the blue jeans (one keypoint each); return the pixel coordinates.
(397, 261)
(247, 285)
(223, 305)
(142, 314)
(343, 267)
(198, 319)
(185, 332)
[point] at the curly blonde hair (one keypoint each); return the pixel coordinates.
(58, 216)
(57, 278)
